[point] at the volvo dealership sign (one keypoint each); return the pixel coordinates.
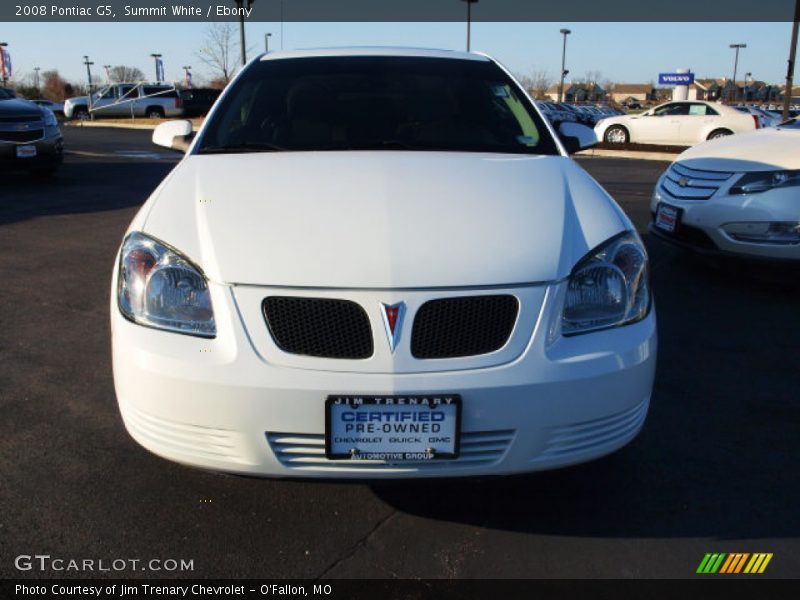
(675, 78)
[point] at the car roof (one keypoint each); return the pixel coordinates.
(375, 51)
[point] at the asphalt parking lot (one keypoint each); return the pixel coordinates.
(714, 470)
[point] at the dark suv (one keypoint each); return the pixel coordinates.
(30, 139)
(198, 101)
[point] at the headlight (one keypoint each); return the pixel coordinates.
(753, 183)
(49, 118)
(609, 287)
(160, 288)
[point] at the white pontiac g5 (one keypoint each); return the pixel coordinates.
(380, 263)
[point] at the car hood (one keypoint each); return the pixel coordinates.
(382, 219)
(762, 150)
(16, 107)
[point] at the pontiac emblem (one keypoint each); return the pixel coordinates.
(683, 181)
(22, 127)
(393, 321)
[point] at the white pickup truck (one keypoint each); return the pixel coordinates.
(150, 100)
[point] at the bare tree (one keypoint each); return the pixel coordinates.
(219, 51)
(536, 82)
(125, 74)
(54, 88)
(593, 76)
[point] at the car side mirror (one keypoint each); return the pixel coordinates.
(575, 136)
(175, 135)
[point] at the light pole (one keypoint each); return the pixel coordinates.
(156, 58)
(565, 33)
(787, 95)
(737, 47)
(108, 72)
(88, 64)
(36, 77)
(747, 76)
(240, 6)
(266, 41)
(469, 19)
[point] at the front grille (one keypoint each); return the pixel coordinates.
(692, 184)
(306, 452)
(321, 327)
(578, 438)
(21, 119)
(464, 326)
(29, 135)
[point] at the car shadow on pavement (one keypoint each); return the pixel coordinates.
(718, 452)
(80, 186)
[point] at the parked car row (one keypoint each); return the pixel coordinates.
(151, 101)
(588, 114)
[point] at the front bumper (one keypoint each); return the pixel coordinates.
(702, 222)
(49, 154)
(232, 404)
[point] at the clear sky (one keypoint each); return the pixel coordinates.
(622, 52)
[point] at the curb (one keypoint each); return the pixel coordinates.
(636, 154)
(111, 125)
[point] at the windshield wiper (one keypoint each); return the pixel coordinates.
(241, 147)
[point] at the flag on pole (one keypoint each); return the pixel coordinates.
(5, 63)
(159, 70)
(188, 79)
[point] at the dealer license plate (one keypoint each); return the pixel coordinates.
(26, 151)
(667, 217)
(392, 428)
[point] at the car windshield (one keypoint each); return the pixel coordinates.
(376, 103)
(5, 94)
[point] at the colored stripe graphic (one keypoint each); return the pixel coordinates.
(711, 563)
(758, 563)
(734, 563)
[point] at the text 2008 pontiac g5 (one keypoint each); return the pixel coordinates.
(381, 263)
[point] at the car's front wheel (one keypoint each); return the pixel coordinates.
(616, 134)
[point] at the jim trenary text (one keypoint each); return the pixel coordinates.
(123, 590)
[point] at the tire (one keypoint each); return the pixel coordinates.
(154, 112)
(616, 134)
(81, 113)
(718, 133)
